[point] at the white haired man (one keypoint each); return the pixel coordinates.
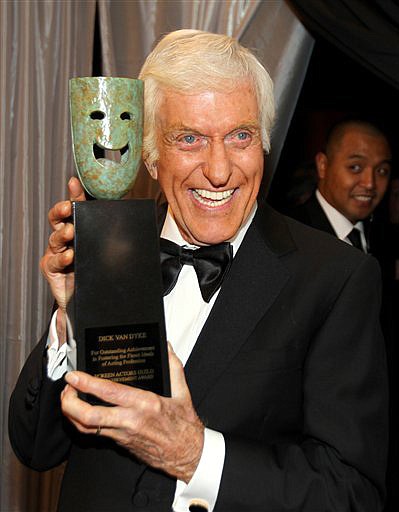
(281, 404)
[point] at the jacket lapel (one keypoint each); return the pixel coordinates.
(318, 219)
(255, 280)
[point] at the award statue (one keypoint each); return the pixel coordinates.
(116, 311)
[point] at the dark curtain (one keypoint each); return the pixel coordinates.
(368, 31)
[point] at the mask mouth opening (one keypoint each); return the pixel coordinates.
(107, 156)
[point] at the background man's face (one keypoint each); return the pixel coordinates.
(210, 160)
(354, 178)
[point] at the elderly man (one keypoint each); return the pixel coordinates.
(281, 404)
(353, 175)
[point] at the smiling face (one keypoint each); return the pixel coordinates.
(210, 160)
(107, 118)
(354, 176)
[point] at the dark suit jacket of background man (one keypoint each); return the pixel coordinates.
(312, 214)
(290, 367)
(380, 238)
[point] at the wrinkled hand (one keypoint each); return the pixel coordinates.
(59, 256)
(165, 433)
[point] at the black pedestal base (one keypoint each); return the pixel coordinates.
(117, 308)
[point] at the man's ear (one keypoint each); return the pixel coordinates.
(321, 164)
(152, 169)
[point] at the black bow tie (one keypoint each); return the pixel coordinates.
(211, 263)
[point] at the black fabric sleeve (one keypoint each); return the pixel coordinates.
(37, 428)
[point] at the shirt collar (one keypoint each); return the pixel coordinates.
(171, 232)
(342, 226)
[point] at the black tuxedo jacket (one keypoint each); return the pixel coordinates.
(289, 366)
(312, 214)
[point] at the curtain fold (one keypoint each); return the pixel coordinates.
(366, 31)
(43, 44)
(284, 46)
(129, 28)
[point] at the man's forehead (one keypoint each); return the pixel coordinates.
(182, 127)
(180, 110)
(223, 88)
(360, 142)
(358, 135)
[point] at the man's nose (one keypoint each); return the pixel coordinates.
(368, 178)
(218, 167)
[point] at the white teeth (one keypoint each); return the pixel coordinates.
(363, 198)
(215, 196)
(211, 198)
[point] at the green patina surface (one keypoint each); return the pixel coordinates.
(108, 113)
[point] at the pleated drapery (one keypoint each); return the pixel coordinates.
(42, 45)
(368, 32)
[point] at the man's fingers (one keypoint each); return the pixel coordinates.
(59, 213)
(60, 238)
(57, 262)
(108, 391)
(76, 191)
(62, 210)
(58, 255)
(86, 417)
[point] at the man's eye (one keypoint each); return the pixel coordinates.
(355, 168)
(383, 171)
(189, 139)
(239, 139)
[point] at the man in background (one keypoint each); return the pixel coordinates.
(353, 175)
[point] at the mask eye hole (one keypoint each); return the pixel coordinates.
(125, 116)
(97, 114)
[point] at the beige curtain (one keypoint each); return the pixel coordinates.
(269, 27)
(284, 46)
(129, 28)
(42, 44)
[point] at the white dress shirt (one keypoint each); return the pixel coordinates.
(185, 315)
(341, 225)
